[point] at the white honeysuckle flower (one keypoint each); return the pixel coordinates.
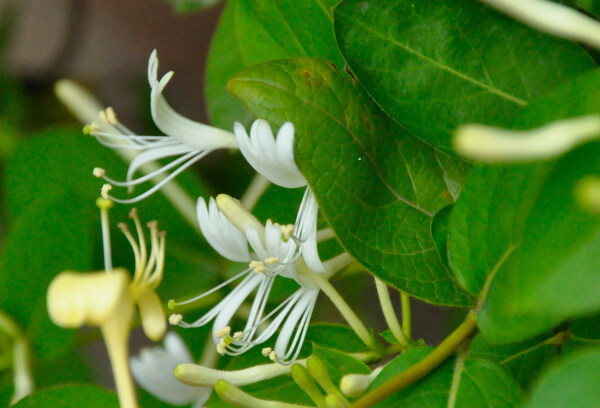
(153, 370)
(185, 141)
(273, 256)
(273, 158)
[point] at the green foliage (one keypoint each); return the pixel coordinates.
(70, 396)
(251, 32)
(379, 194)
(572, 382)
(435, 64)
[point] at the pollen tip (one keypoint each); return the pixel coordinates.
(103, 117)
(111, 116)
(272, 260)
(223, 332)
(266, 351)
(152, 224)
(175, 319)
(237, 335)
(221, 348)
(98, 172)
(171, 304)
(122, 226)
(273, 356)
(104, 191)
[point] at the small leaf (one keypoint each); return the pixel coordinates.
(436, 64)
(377, 186)
(572, 382)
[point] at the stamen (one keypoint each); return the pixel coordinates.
(98, 172)
(257, 267)
(271, 260)
(91, 127)
(222, 332)
(287, 231)
(103, 117)
(104, 191)
(273, 356)
(221, 348)
(171, 304)
(237, 335)
(111, 116)
(175, 319)
(134, 246)
(266, 351)
(105, 204)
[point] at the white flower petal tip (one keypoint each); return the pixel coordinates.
(489, 144)
(76, 299)
(553, 18)
(220, 233)
(354, 385)
(153, 369)
(272, 158)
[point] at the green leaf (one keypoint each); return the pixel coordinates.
(493, 217)
(71, 396)
(524, 360)
(573, 382)
(593, 6)
(436, 64)
(187, 6)
(339, 364)
(377, 186)
(335, 336)
(251, 32)
(480, 383)
(552, 274)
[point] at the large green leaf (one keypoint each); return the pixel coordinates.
(255, 31)
(71, 396)
(378, 186)
(571, 383)
(478, 383)
(436, 64)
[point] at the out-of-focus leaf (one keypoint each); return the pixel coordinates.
(71, 396)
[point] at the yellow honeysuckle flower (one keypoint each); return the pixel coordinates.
(107, 299)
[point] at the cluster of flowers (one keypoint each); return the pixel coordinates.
(277, 251)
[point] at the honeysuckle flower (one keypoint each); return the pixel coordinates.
(553, 18)
(107, 299)
(273, 158)
(153, 370)
(185, 141)
(492, 144)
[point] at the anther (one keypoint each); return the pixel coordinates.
(267, 351)
(237, 335)
(152, 224)
(222, 332)
(221, 348)
(257, 267)
(98, 172)
(133, 213)
(175, 319)
(287, 231)
(103, 116)
(122, 226)
(273, 356)
(105, 189)
(272, 260)
(111, 116)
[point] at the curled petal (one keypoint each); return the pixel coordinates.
(154, 321)
(221, 234)
(273, 158)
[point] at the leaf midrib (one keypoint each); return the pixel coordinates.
(443, 67)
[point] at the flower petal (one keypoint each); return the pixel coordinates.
(273, 158)
(152, 315)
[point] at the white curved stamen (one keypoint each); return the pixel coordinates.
(306, 230)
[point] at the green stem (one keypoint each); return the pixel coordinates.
(423, 367)
(388, 311)
(347, 313)
(406, 315)
(22, 378)
(255, 190)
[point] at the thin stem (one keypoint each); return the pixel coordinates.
(346, 311)
(388, 311)
(106, 239)
(423, 367)
(457, 374)
(336, 264)
(406, 315)
(325, 234)
(255, 190)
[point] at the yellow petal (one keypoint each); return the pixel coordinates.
(75, 299)
(154, 321)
